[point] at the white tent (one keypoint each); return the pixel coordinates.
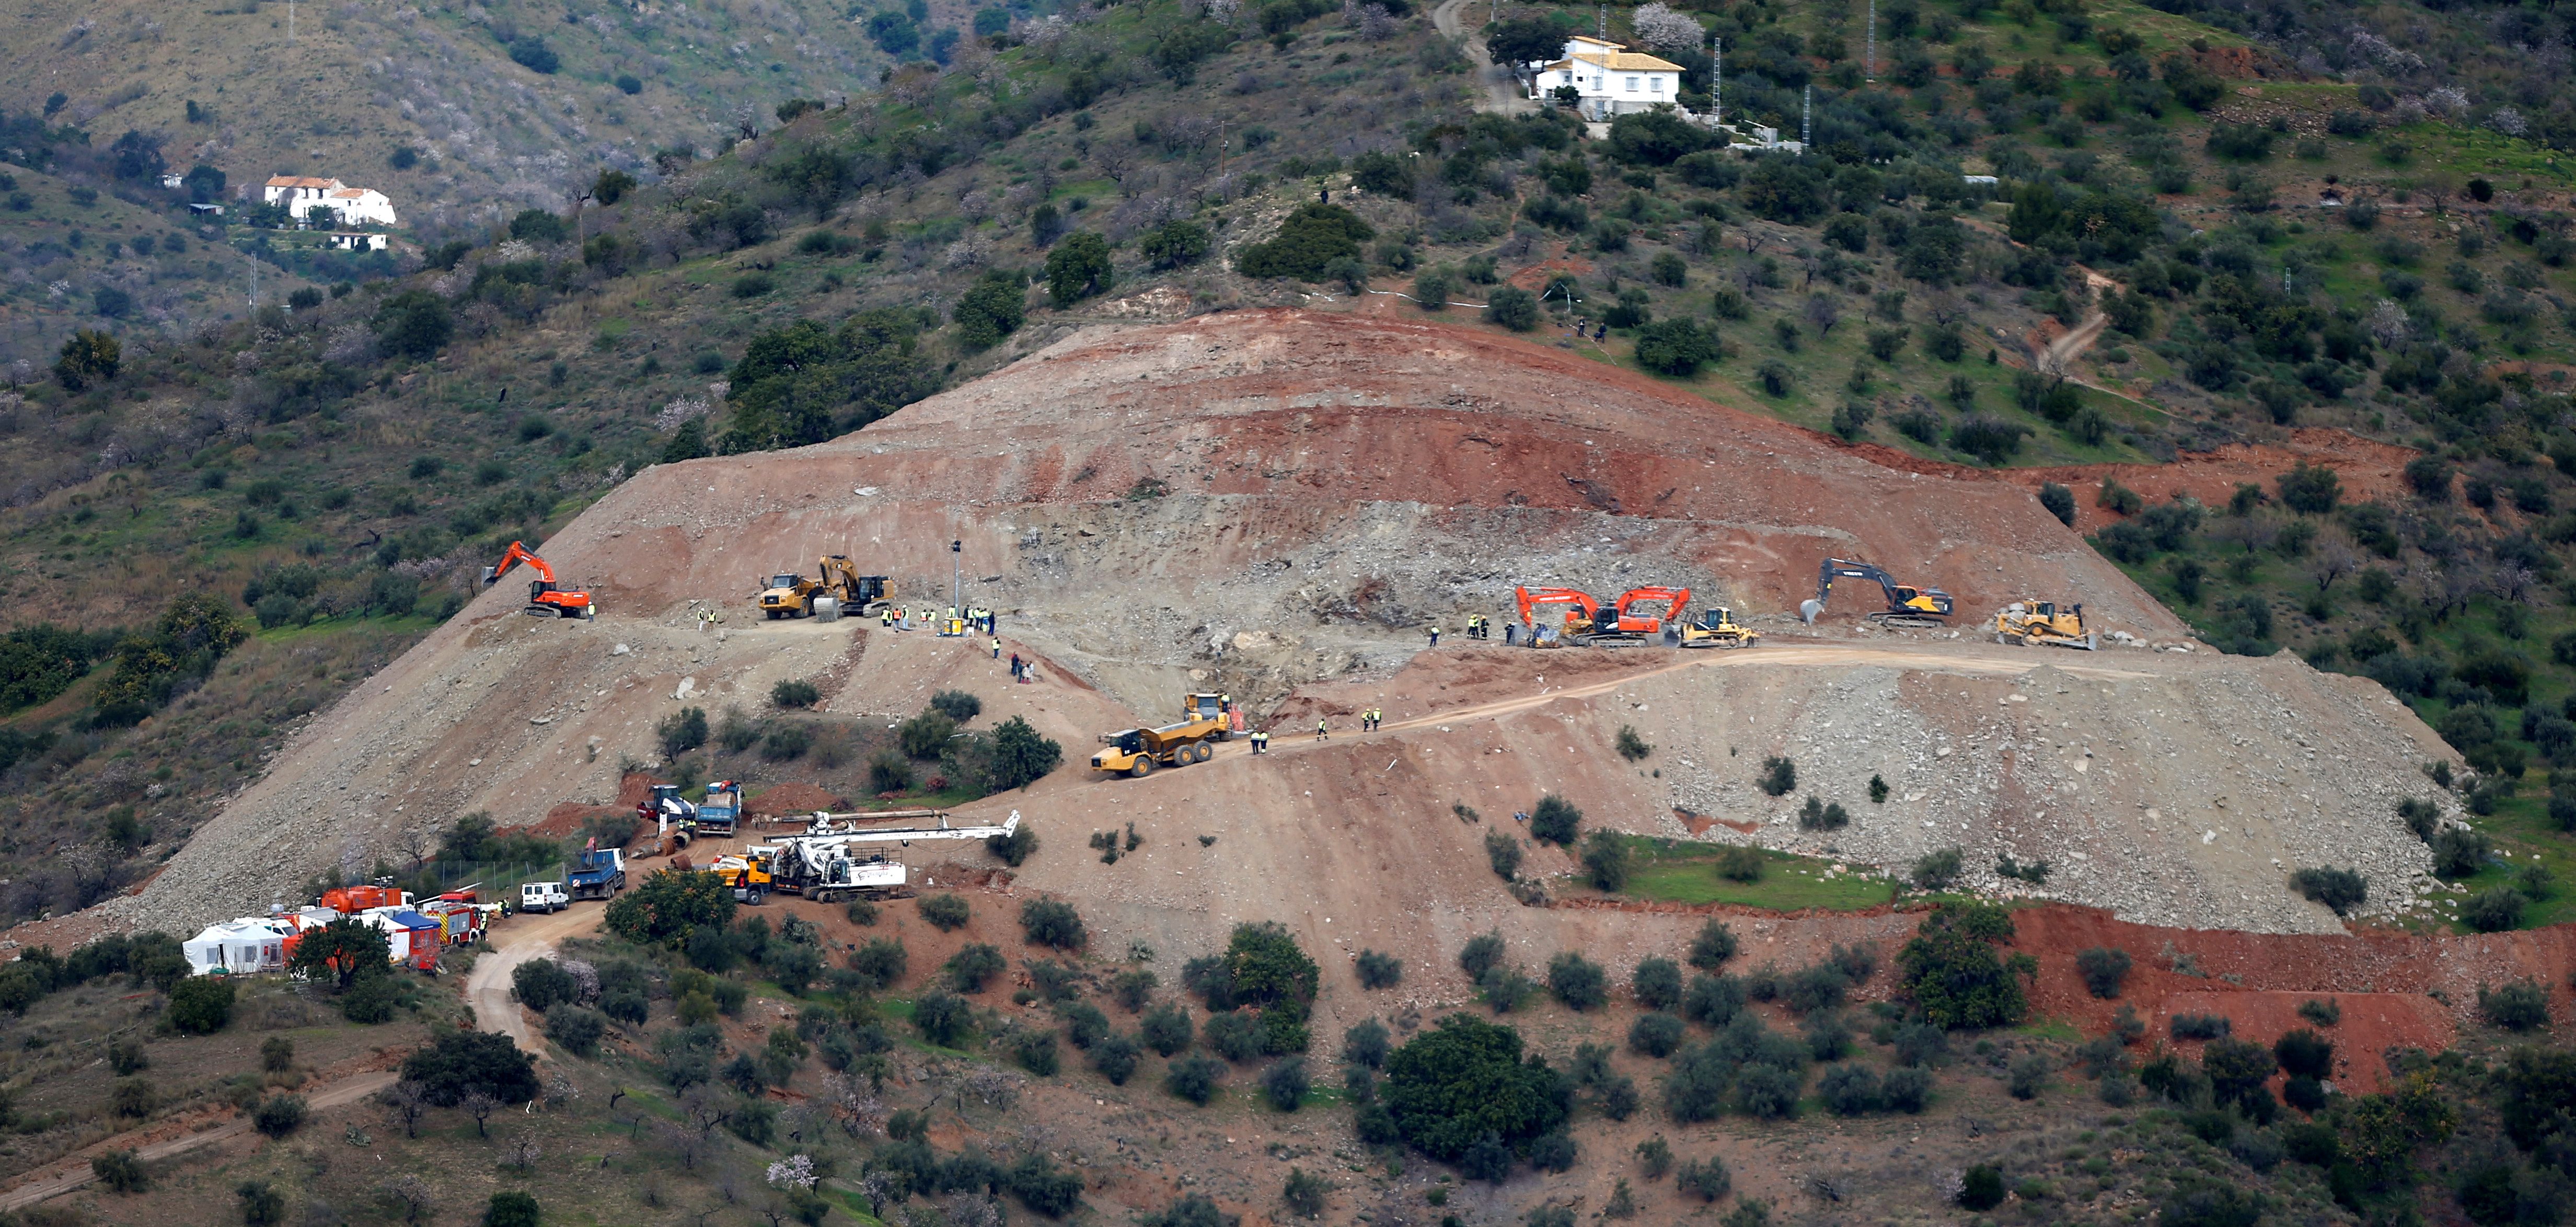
(236, 947)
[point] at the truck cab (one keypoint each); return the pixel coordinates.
(543, 897)
(599, 873)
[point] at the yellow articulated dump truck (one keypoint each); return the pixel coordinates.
(1205, 718)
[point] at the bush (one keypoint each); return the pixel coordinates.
(1606, 860)
(2201, 1026)
(2304, 1053)
(1051, 922)
(794, 692)
(1194, 1078)
(1952, 973)
(1285, 1083)
(1379, 970)
(278, 1115)
(2494, 910)
(1554, 821)
(510, 1209)
(1511, 308)
(1481, 954)
(1938, 870)
(370, 1000)
(1116, 1058)
(1578, 982)
(1366, 1044)
(2519, 1005)
(2103, 968)
(1657, 983)
(2029, 1075)
(1036, 1052)
(1014, 849)
(2340, 889)
(1706, 1179)
(120, 1171)
(1981, 1189)
(943, 1018)
(1166, 1029)
(2059, 501)
(1818, 816)
(1465, 1080)
(576, 1029)
(1656, 1035)
(1233, 1035)
(1504, 853)
(201, 1005)
(1906, 1088)
(1779, 776)
(973, 965)
(946, 912)
(1714, 945)
(1713, 1001)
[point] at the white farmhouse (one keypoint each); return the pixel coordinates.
(1611, 79)
(351, 206)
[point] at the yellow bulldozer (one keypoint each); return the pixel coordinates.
(2043, 624)
(1715, 627)
(1136, 752)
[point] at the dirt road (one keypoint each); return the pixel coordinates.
(525, 937)
(1502, 93)
(347, 1090)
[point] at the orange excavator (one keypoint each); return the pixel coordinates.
(546, 599)
(1638, 613)
(1581, 614)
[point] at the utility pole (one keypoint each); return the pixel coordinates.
(956, 578)
(290, 20)
(1869, 58)
(1716, 80)
(1601, 23)
(1806, 120)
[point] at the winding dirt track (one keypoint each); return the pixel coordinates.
(347, 1090)
(487, 988)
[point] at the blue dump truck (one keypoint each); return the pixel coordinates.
(597, 874)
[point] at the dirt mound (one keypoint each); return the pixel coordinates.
(1276, 505)
(795, 798)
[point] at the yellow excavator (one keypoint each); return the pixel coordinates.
(2043, 624)
(843, 583)
(1906, 605)
(1715, 627)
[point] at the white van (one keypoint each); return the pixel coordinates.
(543, 897)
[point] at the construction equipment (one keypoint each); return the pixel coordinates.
(1138, 751)
(834, 861)
(673, 816)
(546, 599)
(789, 595)
(748, 875)
(1906, 606)
(843, 583)
(1580, 615)
(2043, 624)
(1715, 628)
(1634, 616)
(598, 873)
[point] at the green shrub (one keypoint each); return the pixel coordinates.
(1379, 970)
(1952, 973)
(1194, 1078)
(1504, 853)
(1166, 1029)
(2494, 910)
(945, 912)
(1713, 946)
(1554, 821)
(1981, 1189)
(1285, 1083)
(943, 1018)
(1779, 776)
(1706, 1179)
(1936, 871)
(201, 1005)
(1606, 860)
(1578, 982)
(576, 1029)
(120, 1171)
(1482, 953)
(2340, 889)
(1464, 1079)
(2103, 969)
(278, 1115)
(1052, 922)
(2519, 1005)
(1657, 983)
(794, 692)
(973, 965)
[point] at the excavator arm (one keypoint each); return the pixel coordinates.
(1675, 602)
(1906, 606)
(1532, 598)
(518, 554)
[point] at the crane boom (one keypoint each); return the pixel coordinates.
(822, 830)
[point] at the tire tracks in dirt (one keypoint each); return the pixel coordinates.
(345, 1091)
(487, 987)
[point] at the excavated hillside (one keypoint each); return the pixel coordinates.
(1277, 504)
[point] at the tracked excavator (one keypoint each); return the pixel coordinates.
(1906, 605)
(1637, 614)
(843, 583)
(546, 598)
(2043, 624)
(1581, 615)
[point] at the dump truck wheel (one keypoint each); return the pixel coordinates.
(1199, 753)
(1144, 766)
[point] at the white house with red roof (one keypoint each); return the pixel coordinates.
(352, 206)
(1610, 79)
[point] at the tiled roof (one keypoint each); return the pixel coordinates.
(1628, 61)
(295, 181)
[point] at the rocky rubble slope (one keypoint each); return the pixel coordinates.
(1275, 504)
